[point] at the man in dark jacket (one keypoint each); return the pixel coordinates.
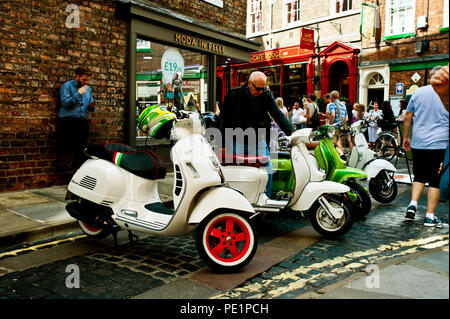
(246, 115)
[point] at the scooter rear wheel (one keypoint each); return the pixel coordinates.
(324, 224)
(92, 231)
(226, 241)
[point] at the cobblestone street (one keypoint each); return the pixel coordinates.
(153, 262)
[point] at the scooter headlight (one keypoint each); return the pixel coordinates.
(331, 131)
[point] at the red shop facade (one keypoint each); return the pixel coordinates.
(290, 72)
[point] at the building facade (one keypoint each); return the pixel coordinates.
(293, 71)
(124, 43)
(409, 38)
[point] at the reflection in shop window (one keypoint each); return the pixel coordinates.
(273, 78)
(295, 82)
(243, 76)
(151, 88)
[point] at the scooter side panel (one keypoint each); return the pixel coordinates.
(372, 168)
(217, 198)
(313, 190)
(340, 175)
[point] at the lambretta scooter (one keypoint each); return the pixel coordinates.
(117, 189)
(380, 172)
(325, 201)
(336, 170)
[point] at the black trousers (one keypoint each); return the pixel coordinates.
(72, 137)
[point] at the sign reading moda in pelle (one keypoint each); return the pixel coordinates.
(218, 3)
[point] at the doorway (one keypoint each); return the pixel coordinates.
(375, 95)
(338, 78)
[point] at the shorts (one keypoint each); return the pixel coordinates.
(426, 165)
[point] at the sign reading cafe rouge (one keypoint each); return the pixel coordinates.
(307, 39)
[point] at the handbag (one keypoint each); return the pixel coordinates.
(443, 172)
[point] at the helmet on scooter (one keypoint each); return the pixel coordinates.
(156, 121)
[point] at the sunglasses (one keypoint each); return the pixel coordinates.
(257, 88)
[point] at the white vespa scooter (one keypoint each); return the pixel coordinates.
(382, 185)
(117, 189)
(330, 214)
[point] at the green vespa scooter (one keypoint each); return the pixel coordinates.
(328, 159)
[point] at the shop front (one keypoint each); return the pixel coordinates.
(289, 71)
(163, 46)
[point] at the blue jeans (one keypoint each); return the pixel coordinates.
(260, 149)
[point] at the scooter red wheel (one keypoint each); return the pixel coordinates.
(226, 241)
(92, 231)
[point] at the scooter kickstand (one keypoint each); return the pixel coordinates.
(131, 236)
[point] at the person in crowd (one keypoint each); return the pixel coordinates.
(387, 121)
(326, 115)
(312, 111)
(283, 109)
(298, 116)
(339, 116)
(428, 144)
(253, 107)
(72, 126)
(374, 115)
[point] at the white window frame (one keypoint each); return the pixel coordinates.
(286, 14)
(255, 27)
(445, 22)
(409, 17)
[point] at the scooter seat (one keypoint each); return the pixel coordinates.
(242, 160)
(145, 164)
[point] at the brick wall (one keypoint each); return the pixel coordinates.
(231, 17)
(38, 53)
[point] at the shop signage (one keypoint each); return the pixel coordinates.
(307, 39)
(171, 63)
(368, 18)
(399, 88)
(275, 54)
(199, 43)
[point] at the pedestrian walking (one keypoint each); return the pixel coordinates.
(428, 144)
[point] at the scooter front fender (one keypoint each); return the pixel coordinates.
(219, 198)
(373, 167)
(313, 190)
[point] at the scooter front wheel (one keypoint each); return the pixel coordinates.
(226, 241)
(324, 224)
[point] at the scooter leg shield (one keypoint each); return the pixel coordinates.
(313, 190)
(219, 198)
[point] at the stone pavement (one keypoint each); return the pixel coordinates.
(381, 257)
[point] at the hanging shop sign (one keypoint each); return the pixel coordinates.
(307, 39)
(195, 42)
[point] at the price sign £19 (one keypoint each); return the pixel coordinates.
(171, 63)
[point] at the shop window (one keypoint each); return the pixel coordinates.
(292, 11)
(400, 15)
(273, 78)
(156, 66)
(243, 76)
(255, 10)
(342, 5)
(294, 83)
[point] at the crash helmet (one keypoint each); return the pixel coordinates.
(156, 121)
(211, 120)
